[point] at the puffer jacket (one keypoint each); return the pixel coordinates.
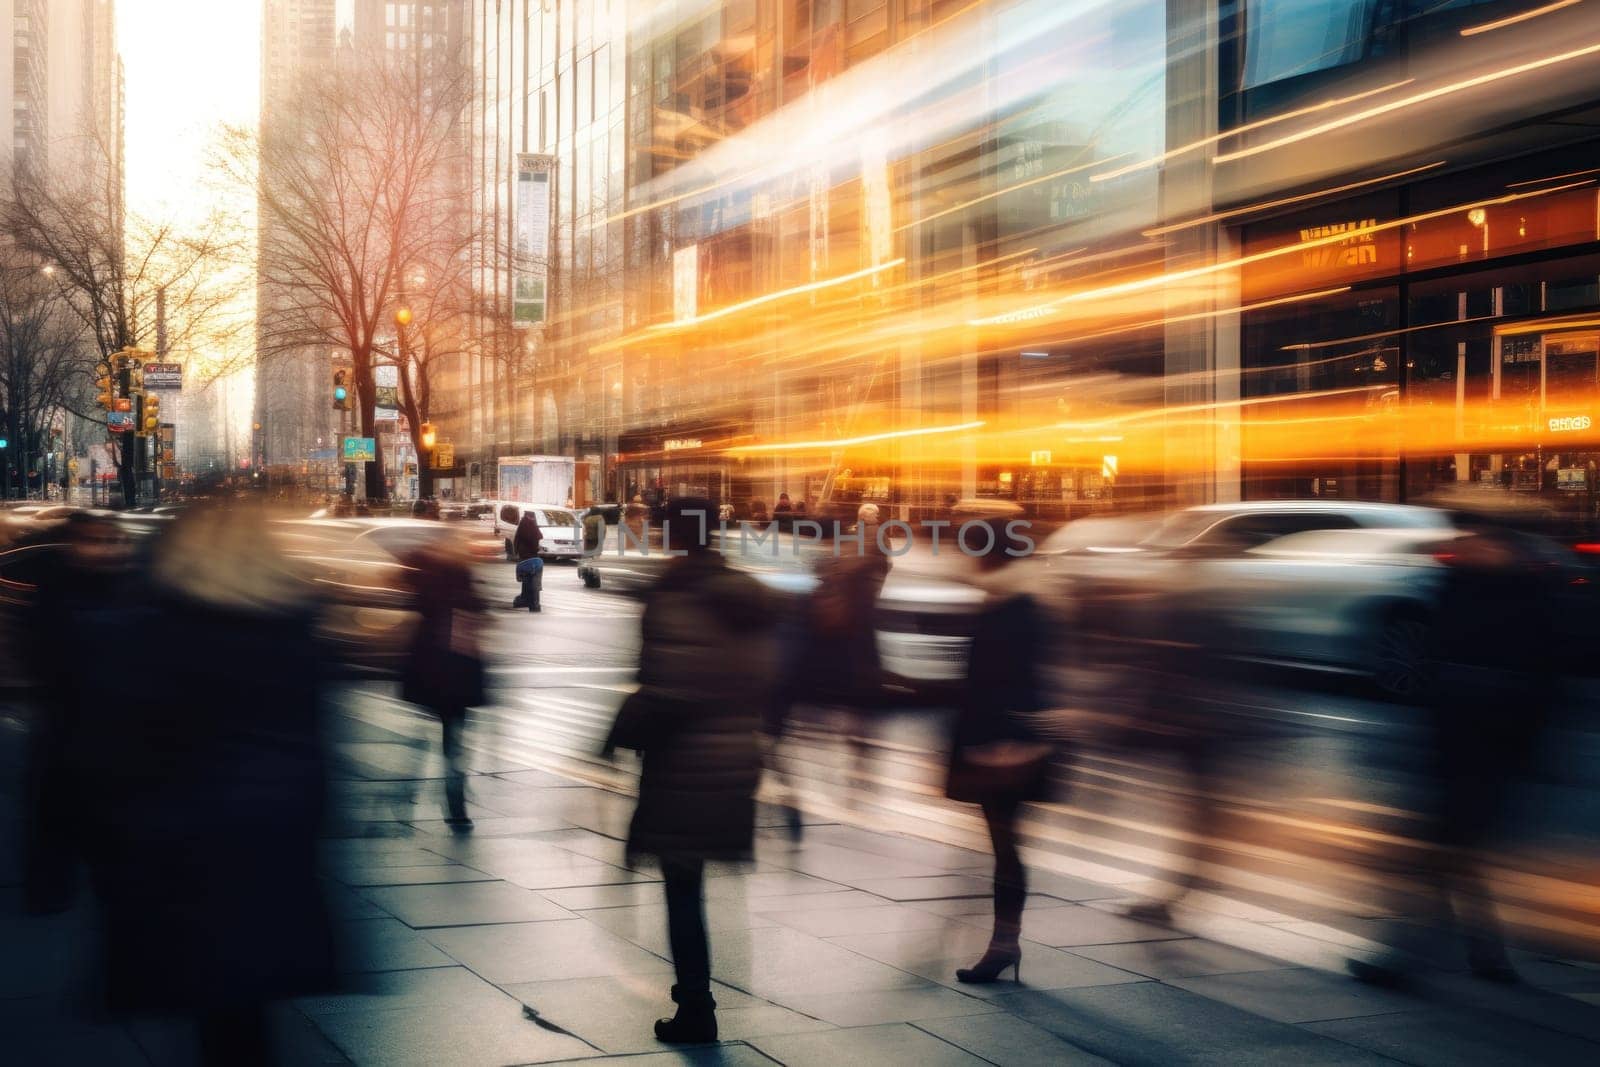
(707, 663)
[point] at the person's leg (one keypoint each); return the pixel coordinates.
(1010, 892)
(536, 584)
(455, 781)
(683, 879)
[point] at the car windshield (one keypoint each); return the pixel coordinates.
(555, 517)
(1180, 528)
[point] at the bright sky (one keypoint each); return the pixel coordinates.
(189, 65)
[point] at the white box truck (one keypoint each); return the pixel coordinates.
(536, 479)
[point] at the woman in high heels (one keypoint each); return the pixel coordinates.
(998, 759)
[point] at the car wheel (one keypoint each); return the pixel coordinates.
(1401, 656)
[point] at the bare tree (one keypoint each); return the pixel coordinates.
(125, 282)
(42, 358)
(361, 188)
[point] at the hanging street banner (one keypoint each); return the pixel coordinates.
(530, 261)
(163, 375)
(386, 387)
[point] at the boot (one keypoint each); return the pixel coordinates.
(696, 1020)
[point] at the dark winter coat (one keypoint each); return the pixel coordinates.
(841, 664)
(1001, 691)
(705, 669)
(194, 765)
(444, 671)
(525, 542)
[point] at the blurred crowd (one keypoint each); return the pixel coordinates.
(178, 773)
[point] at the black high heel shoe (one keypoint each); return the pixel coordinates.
(995, 962)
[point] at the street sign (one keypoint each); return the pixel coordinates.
(119, 421)
(444, 455)
(163, 375)
(360, 449)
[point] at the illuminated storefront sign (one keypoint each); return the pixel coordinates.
(1570, 423)
(681, 444)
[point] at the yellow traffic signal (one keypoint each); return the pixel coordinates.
(429, 436)
(152, 413)
(402, 315)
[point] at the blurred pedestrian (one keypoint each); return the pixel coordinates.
(832, 662)
(530, 567)
(1495, 663)
(200, 780)
(999, 758)
(704, 667)
(444, 672)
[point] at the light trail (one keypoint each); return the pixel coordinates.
(846, 442)
(1512, 20)
(1409, 101)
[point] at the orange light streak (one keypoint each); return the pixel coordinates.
(1409, 101)
(1512, 20)
(847, 442)
(1286, 201)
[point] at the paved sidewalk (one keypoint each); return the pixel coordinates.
(532, 941)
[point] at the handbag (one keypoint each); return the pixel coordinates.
(1001, 768)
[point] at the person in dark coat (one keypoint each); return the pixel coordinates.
(998, 759)
(832, 658)
(530, 568)
(704, 667)
(200, 781)
(444, 672)
(1496, 660)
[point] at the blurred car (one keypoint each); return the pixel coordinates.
(562, 529)
(20, 566)
(1350, 601)
(356, 567)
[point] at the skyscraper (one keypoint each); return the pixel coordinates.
(297, 41)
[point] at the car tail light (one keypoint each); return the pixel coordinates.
(1444, 557)
(1588, 548)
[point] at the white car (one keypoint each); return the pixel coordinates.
(562, 529)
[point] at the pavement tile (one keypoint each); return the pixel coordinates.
(645, 925)
(583, 875)
(1542, 1007)
(429, 992)
(874, 920)
(768, 884)
(532, 952)
(893, 1043)
(872, 1007)
(382, 852)
(537, 779)
(466, 903)
(1066, 887)
(1078, 925)
(838, 898)
(1151, 1023)
(773, 961)
(1449, 1037)
(848, 866)
(491, 1036)
(618, 1013)
(915, 849)
(735, 1054)
(365, 877)
(346, 903)
(936, 955)
(498, 826)
(384, 945)
(1298, 994)
(583, 898)
(1008, 1041)
(1183, 958)
(936, 887)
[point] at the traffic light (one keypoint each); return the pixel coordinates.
(429, 436)
(402, 315)
(152, 413)
(4, 443)
(341, 389)
(121, 403)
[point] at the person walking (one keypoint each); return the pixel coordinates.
(444, 672)
(199, 792)
(530, 567)
(1496, 655)
(998, 758)
(704, 666)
